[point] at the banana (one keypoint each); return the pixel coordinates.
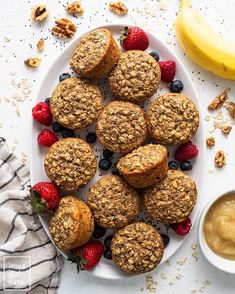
(203, 44)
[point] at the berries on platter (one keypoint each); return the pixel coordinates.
(47, 138)
(155, 55)
(42, 113)
(64, 76)
(107, 254)
(183, 227)
(91, 138)
(172, 164)
(105, 164)
(186, 151)
(98, 232)
(67, 133)
(87, 256)
(134, 38)
(44, 196)
(168, 69)
(186, 165)
(56, 127)
(165, 239)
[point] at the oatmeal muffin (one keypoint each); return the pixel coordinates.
(95, 55)
(113, 202)
(145, 165)
(72, 224)
(76, 103)
(121, 126)
(172, 119)
(137, 248)
(171, 200)
(136, 76)
(70, 163)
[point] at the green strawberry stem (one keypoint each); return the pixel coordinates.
(79, 260)
(38, 202)
(124, 34)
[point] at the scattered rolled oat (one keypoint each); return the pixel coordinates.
(182, 261)
(210, 142)
(118, 8)
(33, 61)
(226, 129)
(74, 8)
(207, 118)
(41, 45)
(220, 159)
(231, 109)
(39, 13)
(219, 100)
(64, 28)
(163, 276)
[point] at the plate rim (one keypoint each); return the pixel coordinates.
(82, 32)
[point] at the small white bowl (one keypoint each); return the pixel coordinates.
(223, 264)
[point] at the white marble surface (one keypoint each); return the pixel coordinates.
(15, 121)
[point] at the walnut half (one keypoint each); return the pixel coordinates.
(118, 8)
(64, 28)
(39, 13)
(210, 142)
(75, 8)
(33, 61)
(220, 159)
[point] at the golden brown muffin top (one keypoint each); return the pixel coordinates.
(76, 103)
(172, 119)
(136, 76)
(171, 200)
(113, 202)
(70, 163)
(121, 126)
(142, 159)
(137, 248)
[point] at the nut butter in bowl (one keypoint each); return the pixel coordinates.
(217, 232)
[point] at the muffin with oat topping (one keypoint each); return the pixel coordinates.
(137, 248)
(171, 200)
(172, 119)
(95, 55)
(121, 126)
(113, 202)
(136, 76)
(72, 224)
(145, 165)
(76, 103)
(70, 163)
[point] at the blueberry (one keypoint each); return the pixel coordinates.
(173, 164)
(91, 138)
(64, 76)
(114, 170)
(67, 133)
(105, 164)
(165, 239)
(99, 232)
(107, 242)
(186, 165)
(107, 154)
(176, 86)
(155, 55)
(107, 254)
(56, 127)
(47, 100)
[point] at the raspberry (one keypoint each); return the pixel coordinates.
(182, 228)
(168, 68)
(42, 113)
(186, 151)
(47, 138)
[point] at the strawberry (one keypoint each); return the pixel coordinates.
(186, 151)
(168, 69)
(183, 227)
(47, 138)
(42, 113)
(87, 256)
(134, 38)
(44, 196)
